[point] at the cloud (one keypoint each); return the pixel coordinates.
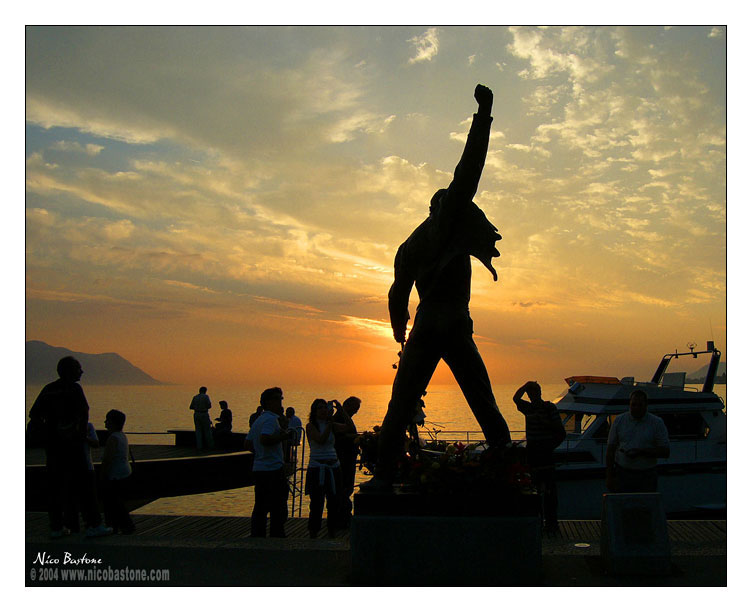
(200, 90)
(187, 222)
(380, 329)
(76, 147)
(716, 32)
(569, 51)
(531, 304)
(543, 98)
(368, 123)
(48, 114)
(538, 344)
(426, 46)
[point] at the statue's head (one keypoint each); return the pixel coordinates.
(436, 201)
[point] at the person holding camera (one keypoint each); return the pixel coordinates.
(347, 452)
(324, 474)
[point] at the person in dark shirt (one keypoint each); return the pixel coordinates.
(347, 452)
(254, 416)
(224, 420)
(436, 259)
(222, 430)
(63, 413)
(544, 432)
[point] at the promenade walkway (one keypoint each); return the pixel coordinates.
(215, 551)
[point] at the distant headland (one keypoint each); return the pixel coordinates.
(101, 369)
(699, 375)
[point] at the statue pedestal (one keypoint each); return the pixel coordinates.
(433, 540)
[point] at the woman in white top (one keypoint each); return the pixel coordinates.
(323, 477)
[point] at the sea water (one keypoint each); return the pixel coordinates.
(152, 410)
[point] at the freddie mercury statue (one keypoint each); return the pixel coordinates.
(436, 259)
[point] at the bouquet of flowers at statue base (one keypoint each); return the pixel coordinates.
(458, 468)
(367, 444)
(453, 478)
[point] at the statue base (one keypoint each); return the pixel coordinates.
(413, 539)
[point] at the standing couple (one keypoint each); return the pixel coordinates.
(329, 476)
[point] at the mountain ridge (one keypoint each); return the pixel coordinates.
(698, 376)
(99, 368)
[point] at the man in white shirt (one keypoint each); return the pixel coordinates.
(200, 404)
(636, 441)
(265, 439)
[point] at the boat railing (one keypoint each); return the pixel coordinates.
(597, 450)
(466, 437)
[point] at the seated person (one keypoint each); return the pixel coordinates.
(223, 428)
(224, 420)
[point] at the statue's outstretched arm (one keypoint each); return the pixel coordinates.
(470, 167)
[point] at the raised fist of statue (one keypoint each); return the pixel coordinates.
(484, 97)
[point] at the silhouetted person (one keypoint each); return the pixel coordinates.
(295, 425)
(224, 420)
(544, 432)
(271, 490)
(200, 404)
(324, 474)
(116, 471)
(71, 510)
(347, 452)
(636, 440)
(35, 432)
(70, 515)
(254, 416)
(436, 259)
(223, 426)
(63, 412)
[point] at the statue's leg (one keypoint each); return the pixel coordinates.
(419, 360)
(462, 357)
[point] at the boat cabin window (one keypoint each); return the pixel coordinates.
(680, 426)
(686, 426)
(578, 422)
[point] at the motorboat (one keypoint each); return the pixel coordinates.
(692, 480)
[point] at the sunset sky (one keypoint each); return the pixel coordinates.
(223, 205)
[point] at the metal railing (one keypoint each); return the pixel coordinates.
(466, 437)
(598, 451)
(296, 475)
